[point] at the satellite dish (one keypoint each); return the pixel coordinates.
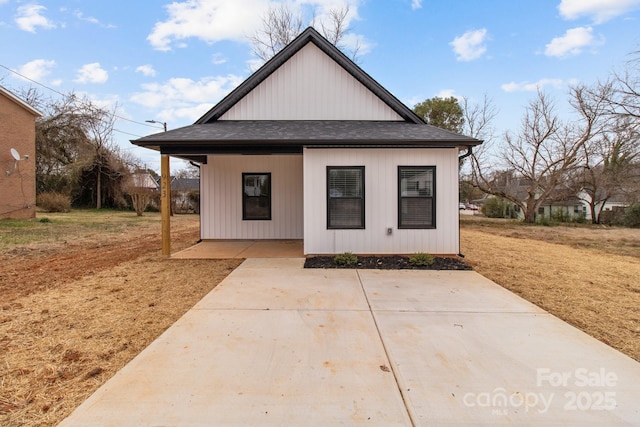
(15, 154)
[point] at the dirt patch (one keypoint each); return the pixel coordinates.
(388, 263)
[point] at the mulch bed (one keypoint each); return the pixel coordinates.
(388, 263)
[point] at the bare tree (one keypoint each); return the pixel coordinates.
(478, 121)
(625, 96)
(280, 26)
(608, 169)
(478, 118)
(282, 23)
(542, 153)
(76, 155)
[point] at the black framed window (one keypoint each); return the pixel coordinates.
(416, 197)
(256, 196)
(345, 197)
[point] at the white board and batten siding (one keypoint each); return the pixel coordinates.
(221, 216)
(381, 202)
(311, 86)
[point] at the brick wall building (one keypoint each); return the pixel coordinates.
(17, 178)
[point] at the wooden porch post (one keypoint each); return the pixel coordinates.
(165, 199)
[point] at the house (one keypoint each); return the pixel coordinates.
(144, 181)
(185, 195)
(17, 157)
(311, 147)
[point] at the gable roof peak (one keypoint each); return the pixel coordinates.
(24, 104)
(309, 35)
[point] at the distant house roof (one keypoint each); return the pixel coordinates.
(185, 184)
(19, 101)
(143, 180)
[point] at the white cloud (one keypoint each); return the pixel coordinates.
(218, 59)
(448, 93)
(535, 86)
(598, 10)
(416, 4)
(29, 17)
(573, 42)
(78, 14)
(215, 20)
(208, 20)
(184, 98)
(92, 73)
(37, 69)
(471, 45)
(146, 70)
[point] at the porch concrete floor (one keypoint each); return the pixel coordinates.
(224, 249)
(279, 345)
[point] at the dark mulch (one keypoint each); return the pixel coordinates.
(388, 263)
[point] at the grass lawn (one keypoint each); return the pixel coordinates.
(83, 293)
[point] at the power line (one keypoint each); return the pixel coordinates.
(127, 133)
(65, 95)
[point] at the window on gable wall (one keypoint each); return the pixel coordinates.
(256, 196)
(345, 197)
(416, 197)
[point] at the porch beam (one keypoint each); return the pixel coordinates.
(165, 203)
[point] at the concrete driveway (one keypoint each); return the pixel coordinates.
(277, 345)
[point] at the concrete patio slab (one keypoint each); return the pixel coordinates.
(507, 369)
(413, 290)
(226, 249)
(298, 289)
(254, 368)
(277, 344)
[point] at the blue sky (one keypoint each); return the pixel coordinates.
(171, 62)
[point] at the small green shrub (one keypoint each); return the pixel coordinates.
(543, 220)
(346, 259)
(632, 216)
(44, 220)
(54, 202)
(421, 259)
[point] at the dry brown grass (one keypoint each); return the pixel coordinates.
(587, 276)
(61, 338)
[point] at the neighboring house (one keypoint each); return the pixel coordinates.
(311, 147)
(185, 195)
(17, 157)
(143, 180)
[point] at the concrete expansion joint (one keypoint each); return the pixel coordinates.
(386, 352)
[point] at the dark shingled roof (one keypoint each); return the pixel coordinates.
(292, 135)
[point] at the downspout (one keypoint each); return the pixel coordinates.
(460, 158)
(194, 164)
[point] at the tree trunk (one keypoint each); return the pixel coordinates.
(99, 190)
(530, 212)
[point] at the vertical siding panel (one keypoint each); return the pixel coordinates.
(310, 74)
